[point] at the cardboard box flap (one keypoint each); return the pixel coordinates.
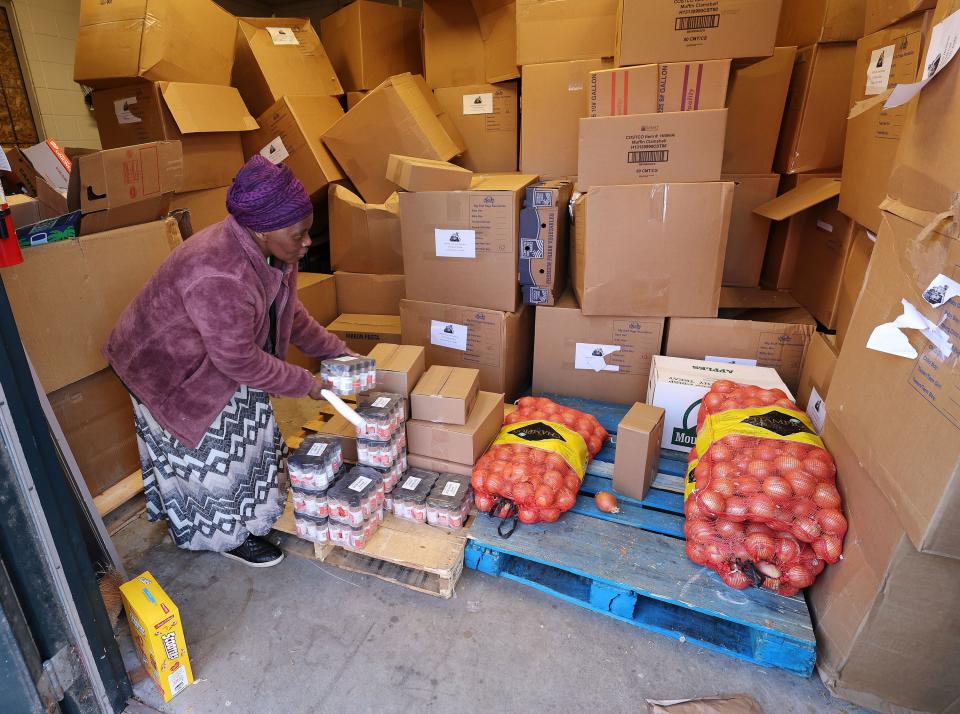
(865, 105)
(642, 417)
(806, 195)
(451, 382)
(396, 358)
(206, 108)
(250, 25)
(359, 323)
(501, 182)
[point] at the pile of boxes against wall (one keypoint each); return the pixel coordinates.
(612, 200)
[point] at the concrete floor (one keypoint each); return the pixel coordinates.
(306, 637)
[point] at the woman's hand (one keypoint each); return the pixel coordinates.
(351, 353)
(314, 392)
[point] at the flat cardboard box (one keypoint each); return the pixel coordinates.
(24, 210)
(565, 359)
(499, 344)
(157, 40)
(363, 332)
(445, 394)
(755, 103)
(399, 367)
(428, 463)
(347, 433)
(401, 116)
(318, 294)
(818, 366)
(369, 41)
(806, 22)
(461, 247)
(883, 13)
(279, 57)
(884, 617)
(678, 385)
(747, 240)
(667, 31)
(554, 100)
(900, 415)
(67, 296)
(765, 338)
(654, 250)
(462, 444)
(814, 122)
(364, 237)
(544, 242)
(852, 279)
(413, 174)
(565, 30)
(205, 207)
(623, 90)
(469, 42)
(671, 147)
(638, 450)
(490, 128)
(290, 132)
(206, 119)
(369, 293)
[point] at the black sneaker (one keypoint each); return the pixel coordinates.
(256, 552)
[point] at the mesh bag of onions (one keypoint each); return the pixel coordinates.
(534, 468)
(762, 504)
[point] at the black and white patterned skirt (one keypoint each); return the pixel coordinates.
(233, 484)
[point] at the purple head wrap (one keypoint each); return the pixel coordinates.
(267, 197)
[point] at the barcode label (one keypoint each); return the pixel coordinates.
(648, 157)
(697, 22)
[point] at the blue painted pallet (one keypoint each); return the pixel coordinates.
(632, 566)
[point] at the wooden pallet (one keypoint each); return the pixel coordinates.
(632, 566)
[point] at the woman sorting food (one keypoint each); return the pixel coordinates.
(201, 348)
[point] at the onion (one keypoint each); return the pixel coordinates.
(606, 502)
(528, 515)
(769, 569)
(565, 499)
(543, 497)
(549, 515)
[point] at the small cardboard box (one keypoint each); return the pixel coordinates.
(278, 57)
(544, 242)
(678, 385)
(363, 332)
(883, 13)
(399, 367)
(625, 90)
(413, 174)
(371, 41)
(487, 116)
(206, 207)
(364, 237)
(468, 42)
(346, 432)
(563, 30)
(806, 22)
(369, 293)
(852, 279)
(157, 632)
(818, 366)
(318, 294)
(290, 133)
(637, 461)
(445, 394)
(672, 147)
(652, 250)
(401, 116)
(462, 444)
(668, 31)
(747, 240)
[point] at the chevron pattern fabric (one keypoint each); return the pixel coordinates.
(233, 484)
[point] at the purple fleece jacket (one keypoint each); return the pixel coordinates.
(196, 332)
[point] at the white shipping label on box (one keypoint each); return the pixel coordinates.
(941, 291)
(731, 360)
(816, 410)
(878, 71)
(478, 103)
(824, 226)
(592, 356)
(944, 43)
(275, 151)
(890, 338)
(283, 36)
(455, 243)
(448, 334)
(121, 107)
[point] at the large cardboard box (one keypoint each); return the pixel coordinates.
(755, 104)
(747, 240)
(364, 332)
(462, 444)
(487, 116)
(593, 357)
(637, 463)
(899, 413)
(205, 118)
(854, 275)
(461, 247)
(499, 344)
(364, 237)
(565, 30)
(370, 41)
(814, 122)
(205, 207)
(883, 13)
(884, 616)
(401, 116)
(883, 60)
(67, 296)
(545, 242)
(818, 366)
(171, 40)
(317, 292)
(671, 147)
(668, 31)
(369, 293)
(764, 338)
(623, 90)
(651, 250)
(806, 22)
(469, 42)
(399, 367)
(649, 88)
(554, 101)
(290, 134)
(445, 394)
(278, 57)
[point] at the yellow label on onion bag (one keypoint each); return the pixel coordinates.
(549, 436)
(774, 423)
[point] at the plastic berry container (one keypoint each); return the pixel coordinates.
(449, 503)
